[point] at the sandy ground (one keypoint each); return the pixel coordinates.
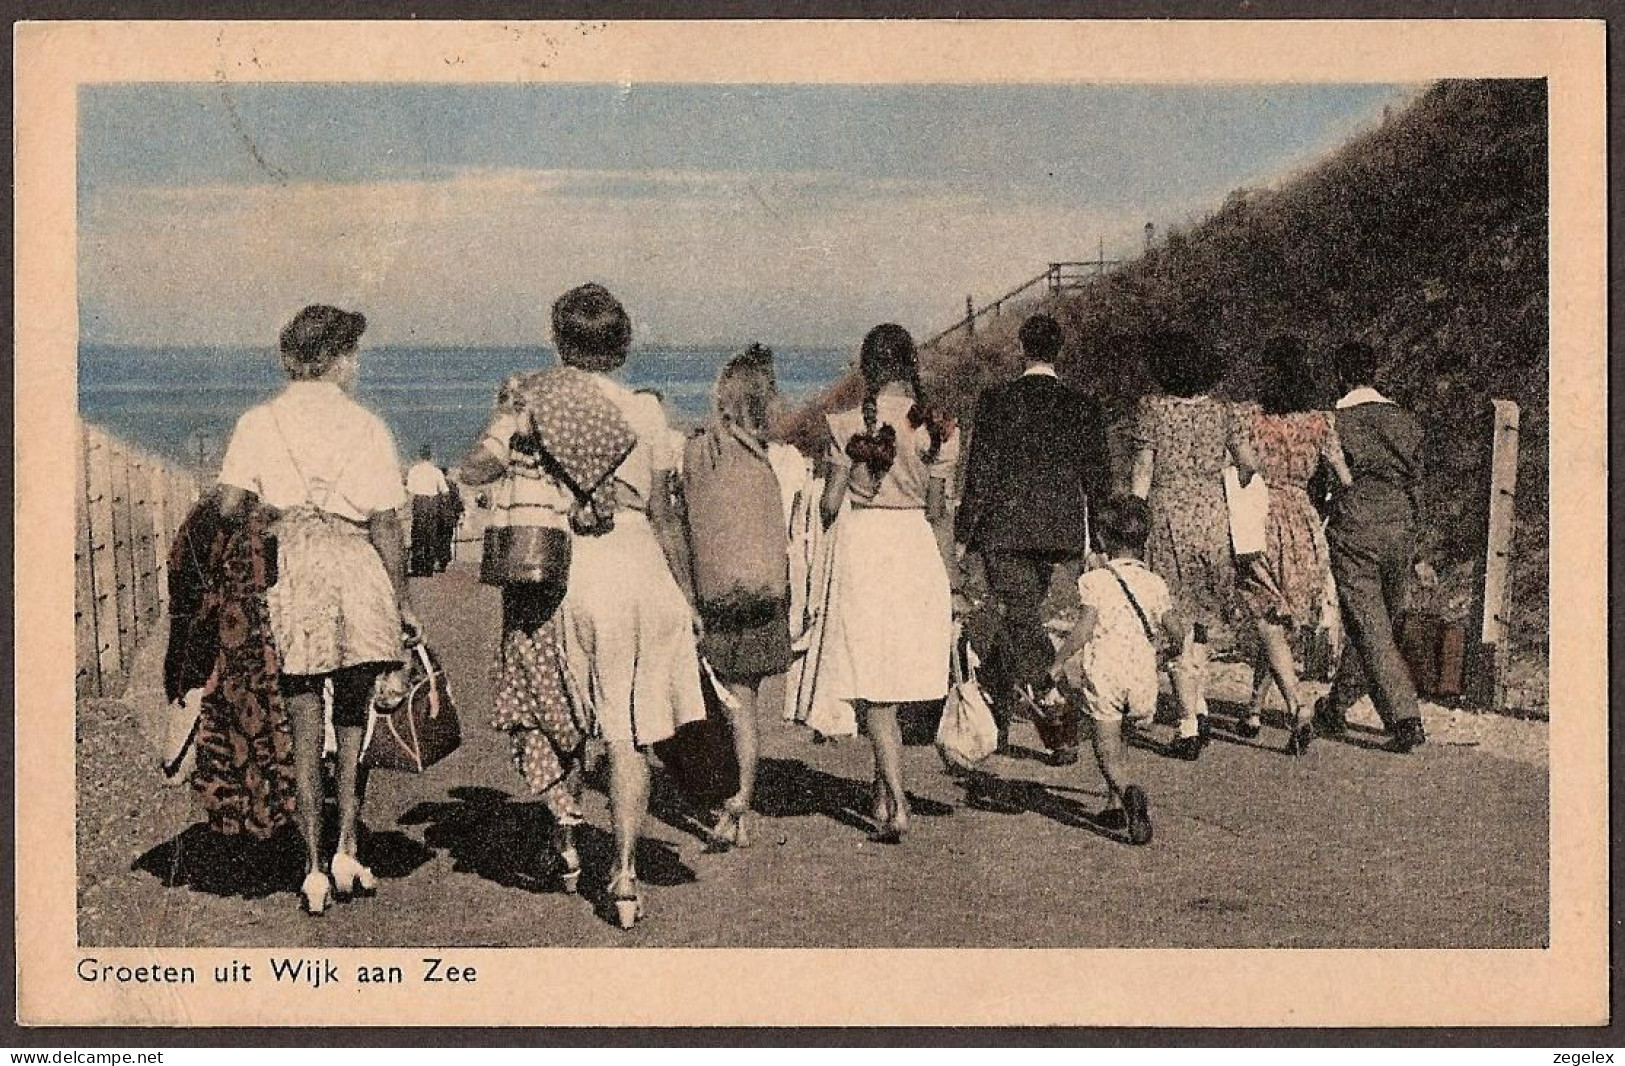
(1350, 846)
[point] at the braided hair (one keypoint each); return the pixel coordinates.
(888, 355)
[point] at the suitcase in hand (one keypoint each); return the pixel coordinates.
(1435, 649)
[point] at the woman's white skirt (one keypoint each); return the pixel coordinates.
(629, 634)
(889, 633)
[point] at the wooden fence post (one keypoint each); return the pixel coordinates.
(162, 537)
(144, 541)
(103, 570)
(124, 556)
(87, 674)
(1493, 632)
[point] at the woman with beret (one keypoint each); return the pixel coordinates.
(327, 469)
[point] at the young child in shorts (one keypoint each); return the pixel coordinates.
(1109, 664)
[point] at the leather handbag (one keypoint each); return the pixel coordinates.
(522, 555)
(419, 730)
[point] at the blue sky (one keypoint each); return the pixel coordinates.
(796, 214)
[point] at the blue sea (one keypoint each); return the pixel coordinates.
(181, 403)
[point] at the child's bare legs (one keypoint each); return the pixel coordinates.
(731, 826)
(746, 742)
(1127, 806)
(1107, 738)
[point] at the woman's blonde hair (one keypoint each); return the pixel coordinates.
(746, 391)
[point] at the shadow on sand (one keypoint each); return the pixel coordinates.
(205, 861)
(488, 834)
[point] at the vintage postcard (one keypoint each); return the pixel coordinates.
(894, 523)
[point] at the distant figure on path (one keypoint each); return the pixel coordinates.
(889, 633)
(739, 545)
(1286, 587)
(1373, 539)
(678, 438)
(329, 469)
(1038, 457)
(451, 516)
(427, 487)
(1184, 439)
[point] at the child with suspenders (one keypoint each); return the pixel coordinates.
(1110, 662)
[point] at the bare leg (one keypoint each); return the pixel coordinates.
(1187, 673)
(349, 786)
(1276, 651)
(1109, 756)
(746, 742)
(887, 739)
(305, 712)
(565, 819)
(1261, 684)
(629, 802)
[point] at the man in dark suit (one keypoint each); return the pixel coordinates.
(1372, 535)
(1038, 454)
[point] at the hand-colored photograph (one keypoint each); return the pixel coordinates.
(704, 515)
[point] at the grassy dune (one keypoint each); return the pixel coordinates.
(1425, 237)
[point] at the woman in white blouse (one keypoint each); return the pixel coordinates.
(329, 469)
(889, 634)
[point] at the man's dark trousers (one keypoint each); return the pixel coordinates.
(1371, 581)
(1018, 582)
(1373, 539)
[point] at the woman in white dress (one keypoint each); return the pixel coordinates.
(890, 627)
(329, 469)
(629, 631)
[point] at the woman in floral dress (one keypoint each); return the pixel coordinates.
(1184, 439)
(1285, 588)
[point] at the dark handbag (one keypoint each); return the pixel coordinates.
(422, 728)
(1434, 649)
(1058, 731)
(525, 555)
(700, 756)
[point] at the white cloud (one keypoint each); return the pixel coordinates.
(475, 257)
